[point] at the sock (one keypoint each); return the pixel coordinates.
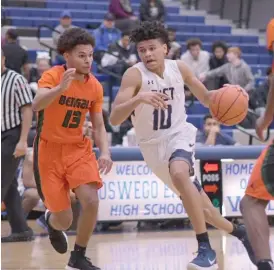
(236, 232)
(47, 221)
(265, 265)
(80, 250)
(203, 238)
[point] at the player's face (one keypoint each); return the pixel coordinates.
(81, 58)
(152, 53)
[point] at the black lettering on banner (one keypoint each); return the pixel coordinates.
(72, 119)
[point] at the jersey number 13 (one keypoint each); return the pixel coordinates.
(162, 118)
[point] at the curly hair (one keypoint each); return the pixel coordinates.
(73, 37)
(219, 44)
(150, 30)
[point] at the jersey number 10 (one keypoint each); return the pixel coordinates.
(165, 118)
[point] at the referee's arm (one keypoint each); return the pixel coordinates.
(24, 99)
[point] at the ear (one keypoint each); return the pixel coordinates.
(165, 49)
(66, 55)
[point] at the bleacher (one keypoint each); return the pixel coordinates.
(91, 12)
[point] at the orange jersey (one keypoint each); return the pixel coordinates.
(62, 121)
(270, 39)
(270, 35)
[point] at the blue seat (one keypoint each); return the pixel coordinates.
(41, 12)
(222, 29)
(76, 5)
(59, 5)
(251, 59)
(46, 33)
(265, 60)
(231, 38)
(16, 12)
(228, 132)
(26, 22)
(176, 18)
(184, 27)
(196, 120)
(204, 29)
(249, 39)
(48, 21)
(197, 108)
(195, 19)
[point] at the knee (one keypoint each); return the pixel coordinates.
(90, 203)
(179, 174)
(31, 195)
(64, 219)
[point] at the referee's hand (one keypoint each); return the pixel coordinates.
(20, 149)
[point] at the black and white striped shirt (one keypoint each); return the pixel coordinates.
(15, 93)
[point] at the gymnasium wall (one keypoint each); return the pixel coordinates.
(261, 12)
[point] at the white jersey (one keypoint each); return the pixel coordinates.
(153, 124)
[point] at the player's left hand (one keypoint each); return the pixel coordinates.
(105, 163)
(20, 149)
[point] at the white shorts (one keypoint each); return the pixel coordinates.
(179, 146)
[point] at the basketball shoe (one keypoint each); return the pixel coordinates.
(80, 262)
(58, 239)
(205, 260)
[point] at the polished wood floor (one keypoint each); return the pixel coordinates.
(131, 250)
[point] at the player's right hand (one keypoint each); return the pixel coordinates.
(157, 100)
(68, 77)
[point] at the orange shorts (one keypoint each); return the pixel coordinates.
(261, 182)
(58, 168)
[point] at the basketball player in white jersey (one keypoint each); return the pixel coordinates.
(152, 91)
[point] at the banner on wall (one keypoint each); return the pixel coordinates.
(235, 179)
(132, 192)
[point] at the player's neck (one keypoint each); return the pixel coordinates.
(160, 71)
(80, 77)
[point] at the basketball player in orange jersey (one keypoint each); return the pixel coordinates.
(63, 157)
(260, 188)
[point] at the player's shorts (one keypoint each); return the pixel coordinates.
(179, 146)
(59, 168)
(261, 182)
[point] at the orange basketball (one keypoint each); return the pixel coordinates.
(229, 105)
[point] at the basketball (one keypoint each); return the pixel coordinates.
(229, 105)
